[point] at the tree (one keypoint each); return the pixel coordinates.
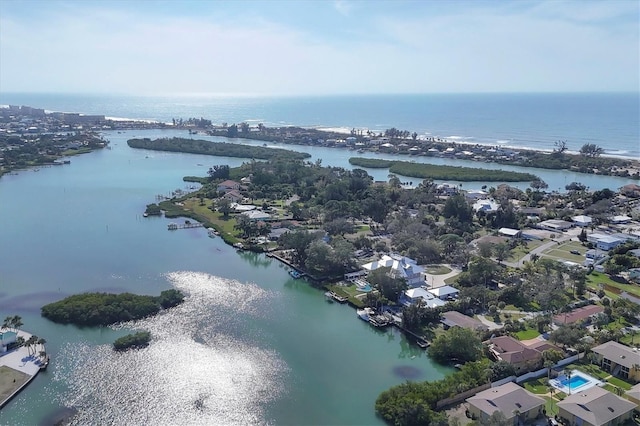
(223, 205)
(457, 343)
(485, 249)
(550, 358)
(219, 172)
(501, 251)
(458, 207)
(560, 146)
(538, 184)
(298, 242)
(496, 419)
(391, 287)
(16, 322)
(591, 150)
(567, 334)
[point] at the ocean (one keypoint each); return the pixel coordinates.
(536, 121)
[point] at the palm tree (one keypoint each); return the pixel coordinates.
(31, 342)
(7, 322)
(16, 322)
(567, 373)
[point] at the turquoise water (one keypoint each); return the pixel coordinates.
(250, 345)
(609, 120)
(574, 382)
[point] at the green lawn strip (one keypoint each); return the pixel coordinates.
(563, 255)
(610, 388)
(451, 280)
(538, 386)
(596, 278)
(619, 383)
(550, 406)
(527, 334)
(346, 291)
(437, 270)
(590, 369)
(519, 251)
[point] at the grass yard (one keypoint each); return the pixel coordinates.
(437, 269)
(595, 279)
(619, 383)
(550, 406)
(519, 251)
(10, 381)
(527, 334)
(591, 369)
(538, 386)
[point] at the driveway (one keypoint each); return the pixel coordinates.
(434, 281)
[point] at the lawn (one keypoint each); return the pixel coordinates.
(538, 386)
(595, 279)
(590, 369)
(347, 291)
(527, 334)
(519, 251)
(619, 383)
(550, 406)
(437, 269)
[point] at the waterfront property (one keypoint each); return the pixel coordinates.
(619, 360)
(522, 357)
(17, 368)
(401, 267)
(7, 338)
(516, 403)
(421, 295)
(595, 407)
(456, 319)
(576, 381)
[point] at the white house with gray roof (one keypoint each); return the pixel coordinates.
(515, 402)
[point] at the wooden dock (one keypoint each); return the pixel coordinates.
(175, 226)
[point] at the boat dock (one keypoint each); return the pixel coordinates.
(333, 296)
(187, 225)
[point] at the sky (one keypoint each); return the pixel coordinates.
(316, 47)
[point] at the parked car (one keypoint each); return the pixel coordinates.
(575, 252)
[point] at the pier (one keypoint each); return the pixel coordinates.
(187, 225)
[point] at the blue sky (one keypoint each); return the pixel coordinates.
(318, 47)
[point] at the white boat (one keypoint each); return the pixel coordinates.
(211, 232)
(365, 313)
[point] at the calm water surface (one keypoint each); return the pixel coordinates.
(249, 346)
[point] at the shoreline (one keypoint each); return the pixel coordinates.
(21, 361)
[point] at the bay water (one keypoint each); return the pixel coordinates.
(249, 346)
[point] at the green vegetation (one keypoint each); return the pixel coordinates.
(414, 403)
(596, 279)
(93, 309)
(619, 383)
(456, 345)
(132, 341)
(538, 386)
(223, 149)
(431, 171)
(153, 210)
(527, 334)
(437, 269)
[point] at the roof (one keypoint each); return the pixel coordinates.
(228, 183)
(509, 231)
(556, 223)
(418, 292)
(596, 405)
(403, 266)
(582, 219)
(256, 214)
(618, 353)
(455, 318)
(621, 218)
(634, 392)
(513, 351)
(444, 290)
(577, 314)
(507, 398)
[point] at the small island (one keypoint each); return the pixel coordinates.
(137, 340)
(96, 309)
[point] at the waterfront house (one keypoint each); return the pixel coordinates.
(416, 295)
(255, 215)
(400, 267)
(228, 185)
(578, 314)
(476, 194)
(516, 353)
(445, 292)
(516, 403)
(619, 360)
(7, 338)
(595, 407)
(456, 319)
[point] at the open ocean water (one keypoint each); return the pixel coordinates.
(610, 120)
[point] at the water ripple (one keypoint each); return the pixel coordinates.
(197, 370)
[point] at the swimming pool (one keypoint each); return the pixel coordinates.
(574, 382)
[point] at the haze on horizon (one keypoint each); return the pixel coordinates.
(319, 47)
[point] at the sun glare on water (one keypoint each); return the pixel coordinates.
(198, 369)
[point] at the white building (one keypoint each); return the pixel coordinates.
(444, 292)
(582, 221)
(415, 295)
(401, 267)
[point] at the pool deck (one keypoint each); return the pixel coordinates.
(20, 361)
(591, 382)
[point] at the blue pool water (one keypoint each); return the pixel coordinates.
(574, 382)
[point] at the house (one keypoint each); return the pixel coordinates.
(618, 220)
(415, 295)
(7, 338)
(456, 319)
(509, 232)
(555, 225)
(401, 267)
(234, 196)
(634, 252)
(634, 274)
(532, 211)
(578, 314)
(255, 215)
(605, 241)
(582, 221)
(228, 185)
(516, 353)
(633, 395)
(444, 292)
(276, 233)
(631, 190)
(486, 206)
(595, 254)
(595, 407)
(516, 403)
(476, 194)
(620, 360)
